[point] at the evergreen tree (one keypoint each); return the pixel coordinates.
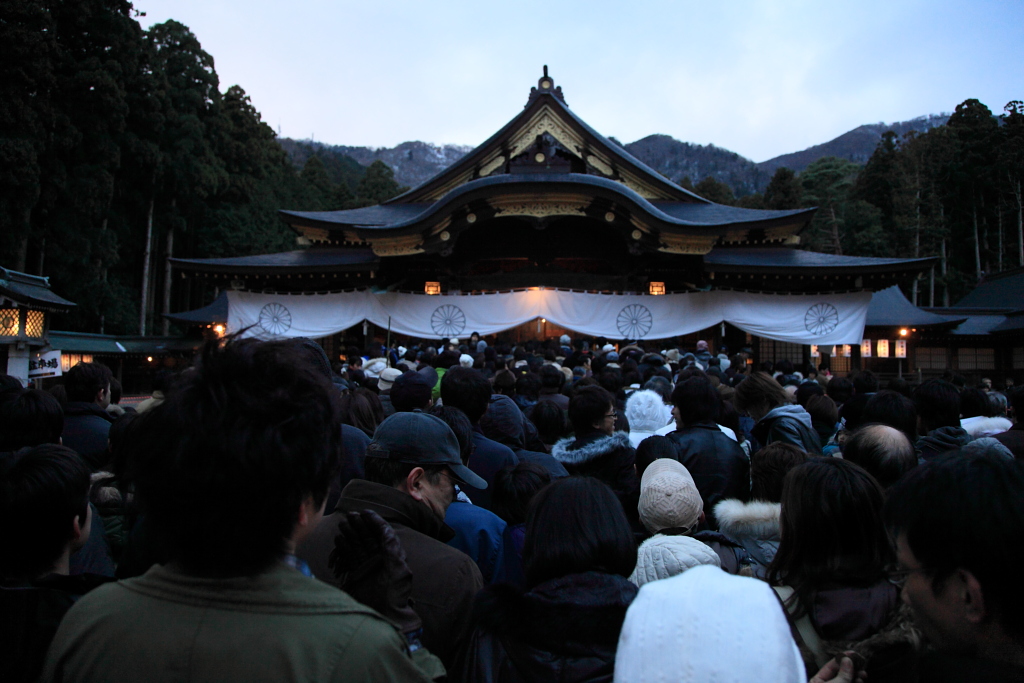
(714, 190)
(783, 191)
(827, 184)
(378, 185)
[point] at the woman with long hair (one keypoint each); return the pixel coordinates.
(578, 553)
(832, 570)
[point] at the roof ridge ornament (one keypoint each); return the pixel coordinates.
(546, 86)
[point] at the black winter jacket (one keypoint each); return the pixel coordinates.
(86, 428)
(609, 458)
(717, 464)
(563, 630)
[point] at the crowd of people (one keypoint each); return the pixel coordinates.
(550, 511)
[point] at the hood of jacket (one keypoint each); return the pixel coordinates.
(794, 411)
(573, 452)
(756, 519)
(503, 422)
(942, 440)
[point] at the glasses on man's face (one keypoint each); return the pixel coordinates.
(898, 577)
(612, 415)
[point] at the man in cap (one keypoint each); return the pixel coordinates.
(412, 466)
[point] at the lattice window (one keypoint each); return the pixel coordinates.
(10, 324)
(931, 358)
(769, 349)
(34, 323)
(976, 359)
(1018, 358)
(839, 365)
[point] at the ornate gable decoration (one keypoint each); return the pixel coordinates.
(549, 123)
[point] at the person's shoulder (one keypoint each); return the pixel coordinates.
(492, 447)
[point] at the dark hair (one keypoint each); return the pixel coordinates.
(661, 386)
(9, 382)
(974, 403)
(468, 390)
(392, 473)
(576, 525)
(611, 380)
(514, 487)
(653, 448)
(446, 359)
(839, 390)
(587, 406)
(805, 390)
(961, 511)
(406, 397)
(894, 409)
(697, 400)
(759, 389)
(938, 404)
(769, 467)
(551, 377)
(831, 528)
(42, 490)
(363, 410)
(504, 382)
(899, 385)
(884, 451)
(460, 424)
(823, 409)
(60, 393)
(29, 417)
(688, 372)
(85, 380)
(115, 391)
(222, 466)
(549, 420)
(865, 382)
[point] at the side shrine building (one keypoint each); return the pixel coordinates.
(548, 219)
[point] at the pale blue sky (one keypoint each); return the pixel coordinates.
(758, 78)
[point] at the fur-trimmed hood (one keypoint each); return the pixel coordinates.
(573, 452)
(756, 519)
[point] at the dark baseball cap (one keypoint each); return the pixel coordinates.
(417, 438)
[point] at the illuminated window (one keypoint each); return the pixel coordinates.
(34, 323)
(656, 288)
(9, 324)
(432, 287)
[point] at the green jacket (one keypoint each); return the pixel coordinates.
(277, 626)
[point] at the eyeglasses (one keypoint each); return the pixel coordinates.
(612, 415)
(898, 577)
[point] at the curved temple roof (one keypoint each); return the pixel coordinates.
(548, 162)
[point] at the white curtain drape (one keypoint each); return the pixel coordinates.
(801, 319)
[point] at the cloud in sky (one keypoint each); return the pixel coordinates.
(758, 78)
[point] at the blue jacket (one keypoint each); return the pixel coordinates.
(485, 537)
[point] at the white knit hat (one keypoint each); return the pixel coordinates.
(466, 360)
(660, 557)
(646, 411)
(607, 347)
(706, 625)
(668, 497)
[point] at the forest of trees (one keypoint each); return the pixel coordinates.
(118, 149)
(953, 192)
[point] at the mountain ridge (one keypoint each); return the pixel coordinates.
(415, 162)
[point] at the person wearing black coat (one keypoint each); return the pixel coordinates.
(717, 463)
(504, 422)
(565, 625)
